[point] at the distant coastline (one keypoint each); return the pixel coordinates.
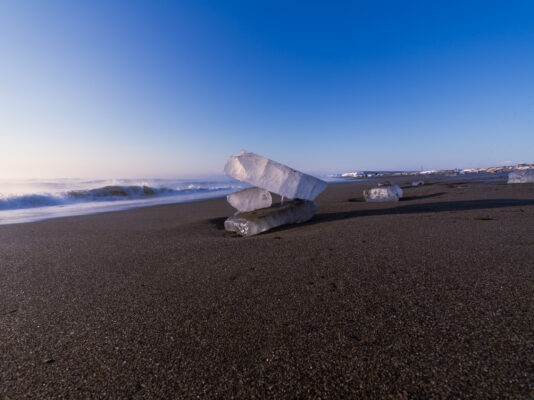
(449, 172)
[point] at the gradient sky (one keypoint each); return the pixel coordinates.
(169, 89)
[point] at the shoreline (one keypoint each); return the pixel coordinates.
(36, 214)
(82, 209)
(426, 297)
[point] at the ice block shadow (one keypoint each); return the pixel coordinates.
(408, 198)
(464, 205)
(218, 223)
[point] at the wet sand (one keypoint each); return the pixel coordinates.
(429, 297)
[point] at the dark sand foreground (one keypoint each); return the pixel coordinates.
(430, 297)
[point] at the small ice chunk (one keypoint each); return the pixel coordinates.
(250, 199)
(389, 192)
(254, 222)
(524, 176)
(272, 176)
(418, 183)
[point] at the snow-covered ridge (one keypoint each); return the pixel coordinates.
(450, 172)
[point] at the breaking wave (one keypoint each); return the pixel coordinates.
(104, 193)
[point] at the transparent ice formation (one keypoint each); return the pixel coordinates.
(272, 176)
(524, 176)
(250, 199)
(254, 222)
(390, 192)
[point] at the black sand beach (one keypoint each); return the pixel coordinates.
(430, 297)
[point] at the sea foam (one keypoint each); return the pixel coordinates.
(32, 200)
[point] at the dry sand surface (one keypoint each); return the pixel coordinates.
(429, 297)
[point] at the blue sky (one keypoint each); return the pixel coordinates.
(170, 89)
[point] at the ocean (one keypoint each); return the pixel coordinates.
(34, 200)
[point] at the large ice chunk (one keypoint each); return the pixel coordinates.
(254, 222)
(250, 199)
(395, 188)
(272, 176)
(390, 192)
(524, 176)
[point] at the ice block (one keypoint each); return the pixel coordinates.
(250, 199)
(524, 176)
(254, 222)
(390, 192)
(273, 176)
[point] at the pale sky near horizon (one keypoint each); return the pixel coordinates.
(120, 89)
